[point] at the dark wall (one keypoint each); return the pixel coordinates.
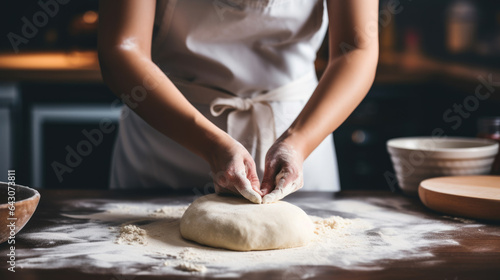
(58, 33)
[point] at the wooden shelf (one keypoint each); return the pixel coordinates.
(51, 67)
(407, 68)
(393, 68)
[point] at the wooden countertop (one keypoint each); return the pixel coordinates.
(475, 253)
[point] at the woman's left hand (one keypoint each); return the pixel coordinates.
(283, 171)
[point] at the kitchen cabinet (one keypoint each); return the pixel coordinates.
(60, 101)
(69, 131)
(9, 98)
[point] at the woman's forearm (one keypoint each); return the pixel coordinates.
(343, 85)
(134, 78)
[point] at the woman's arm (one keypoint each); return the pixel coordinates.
(125, 34)
(124, 45)
(353, 41)
(353, 56)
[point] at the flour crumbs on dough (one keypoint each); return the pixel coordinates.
(132, 235)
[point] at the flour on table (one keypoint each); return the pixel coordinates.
(349, 234)
(334, 231)
(185, 266)
(168, 211)
(325, 226)
(131, 234)
(460, 219)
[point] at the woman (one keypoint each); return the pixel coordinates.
(210, 85)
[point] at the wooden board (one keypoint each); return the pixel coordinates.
(475, 197)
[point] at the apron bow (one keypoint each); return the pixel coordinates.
(250, 121)
(219, 105)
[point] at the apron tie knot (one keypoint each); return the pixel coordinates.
(220, 104)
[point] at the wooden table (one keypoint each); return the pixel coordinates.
(476, 256)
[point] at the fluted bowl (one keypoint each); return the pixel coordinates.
(418, 158)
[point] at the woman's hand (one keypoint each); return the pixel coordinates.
(234, 171)
(283, 171)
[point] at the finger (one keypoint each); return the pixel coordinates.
(244, 187)
(268, 181)
(285, 185)
(251, 174)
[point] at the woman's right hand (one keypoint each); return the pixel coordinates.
(234, 171)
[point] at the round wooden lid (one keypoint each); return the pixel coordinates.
(468, 196)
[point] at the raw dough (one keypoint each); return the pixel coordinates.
(237, 224)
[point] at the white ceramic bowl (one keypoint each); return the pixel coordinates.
(418, 158)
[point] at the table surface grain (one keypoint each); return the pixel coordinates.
(476, 257)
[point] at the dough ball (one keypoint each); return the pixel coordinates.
(237, 224)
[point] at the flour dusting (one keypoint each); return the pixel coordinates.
(131, 234)
(144, 238)
(335, 223)
(185, 266)
(460, 219)
(168, 211)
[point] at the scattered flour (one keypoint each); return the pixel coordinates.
(131, 234)
(185, 266)
(350, 234)
(188, 254)
(168, 211)
(336, 223)
(459, 219)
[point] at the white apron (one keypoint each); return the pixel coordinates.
(248, 66)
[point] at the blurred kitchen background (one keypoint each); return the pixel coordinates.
(439, 72)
